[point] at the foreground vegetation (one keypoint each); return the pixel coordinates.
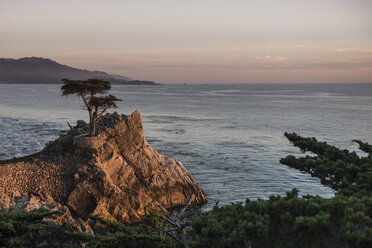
(17, 224)
(280, 221)
(120, 235)
(293, 221)
(289, 221)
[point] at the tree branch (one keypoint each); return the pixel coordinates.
(86, 102)
(69, 125)
(187, 205)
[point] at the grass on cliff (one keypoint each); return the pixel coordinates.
(292, 221)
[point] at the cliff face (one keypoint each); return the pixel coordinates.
(115, 174)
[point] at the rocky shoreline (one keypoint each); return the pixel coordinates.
(115, 175)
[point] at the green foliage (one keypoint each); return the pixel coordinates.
(88, 90)
(120, 235)
(341, 170)
(104, 102)
(293, 221)
(84, 87)
(157, 220)
(364, 146)
(15, 224)
(289, 221)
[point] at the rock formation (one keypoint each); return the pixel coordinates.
(116, 175)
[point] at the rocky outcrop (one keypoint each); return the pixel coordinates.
(116, 175)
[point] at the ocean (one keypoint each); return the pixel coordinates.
(228, 136)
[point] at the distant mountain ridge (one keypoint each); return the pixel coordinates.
(35, 70)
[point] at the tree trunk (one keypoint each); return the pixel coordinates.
(93, 132)
(94, 121)
(91, 121)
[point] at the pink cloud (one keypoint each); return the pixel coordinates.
(272, 58)
(341, 50)
(141, 59)
(281, 58)
(267, 57)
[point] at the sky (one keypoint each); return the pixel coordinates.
(197, 41)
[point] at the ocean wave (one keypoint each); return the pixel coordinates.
(21, 137)
(175, 118)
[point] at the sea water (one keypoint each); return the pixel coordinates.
(228, 136)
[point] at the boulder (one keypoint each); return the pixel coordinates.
(115, 174)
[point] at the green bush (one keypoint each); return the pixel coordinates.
(120, 235)
(16, 224)
(292, 221)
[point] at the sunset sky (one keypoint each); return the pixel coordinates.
(197, 41)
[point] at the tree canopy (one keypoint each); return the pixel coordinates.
(88, 91)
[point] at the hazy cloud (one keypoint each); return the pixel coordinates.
(281, 58)
(341, 50)
(142, 59)
(272, 58)
(176, 41)
(265, 57)
(231, 56)
(360, 50)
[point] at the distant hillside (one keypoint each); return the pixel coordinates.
(33, 70)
